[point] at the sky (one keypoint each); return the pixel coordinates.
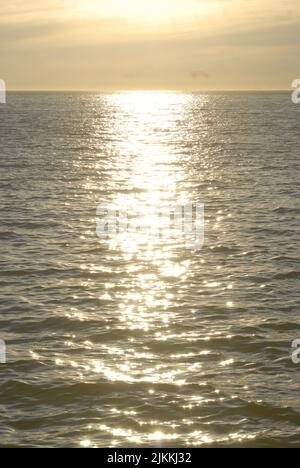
(112, 45)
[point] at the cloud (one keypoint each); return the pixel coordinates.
(199, 74)
(249, 45)
(16, 34)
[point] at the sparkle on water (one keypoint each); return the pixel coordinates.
(154, 175)
(142, 341)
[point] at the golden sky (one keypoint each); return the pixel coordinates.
(149, 44)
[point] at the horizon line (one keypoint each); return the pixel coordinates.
(61, 90)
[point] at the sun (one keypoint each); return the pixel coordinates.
(151, 11)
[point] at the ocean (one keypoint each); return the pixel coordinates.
(140, 341)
